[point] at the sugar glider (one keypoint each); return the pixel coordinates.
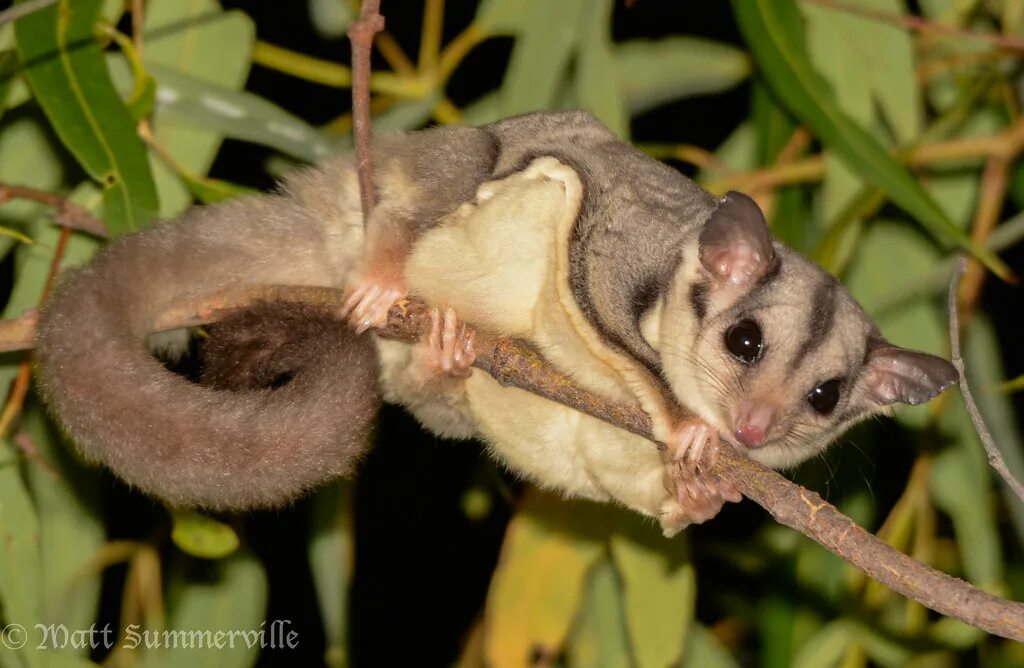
(623, 273)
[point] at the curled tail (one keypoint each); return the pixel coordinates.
(257, 443)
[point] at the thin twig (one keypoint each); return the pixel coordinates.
(65, 212)
(995, 458)
(24, 9)
(19, 388)
(361, 34)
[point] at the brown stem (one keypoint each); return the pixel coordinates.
(995, 458)
(65, 212)
(361, 34)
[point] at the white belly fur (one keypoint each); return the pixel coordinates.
(496, 262)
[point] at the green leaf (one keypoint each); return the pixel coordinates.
(68, 74)
(961, 484)
(907, 255)
(8, 70)
(546, 39)
(704, 650)
(27, 157)
(20, 577)
(825, 648)
(202, 536)
(32, 263)
(889, 51)
(659, 589)
(983, 359)
(198, 39)
(790, 221)
(598, 90)
(71, 528)
(832, 49)
(331, 562)
(599, 639)
(652, 72)
(187, 101)
(538, 585)
(774, 32)
(224, 595)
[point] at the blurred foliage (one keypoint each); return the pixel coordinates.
(876, 140)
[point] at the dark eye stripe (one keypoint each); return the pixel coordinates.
(819, 322)
(699, 301)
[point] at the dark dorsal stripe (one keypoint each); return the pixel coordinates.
(635, 216)
(646, 294)
(819, 321)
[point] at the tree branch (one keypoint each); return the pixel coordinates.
(516, 364)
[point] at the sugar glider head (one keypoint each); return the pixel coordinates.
(772, 350)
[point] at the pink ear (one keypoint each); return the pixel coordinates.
(735, 244)
(895, 374)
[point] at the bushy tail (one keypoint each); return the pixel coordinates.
(190, 444)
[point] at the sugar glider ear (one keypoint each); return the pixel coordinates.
(895, 374)
(735, 244)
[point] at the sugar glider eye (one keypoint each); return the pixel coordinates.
(744, 341)
(824, 397)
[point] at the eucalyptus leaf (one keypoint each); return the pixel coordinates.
(183, 100)
(652, 72)
(774, 31)
(983, 362)
(8, 70)
(20, 574)
(599, 639)
(704, 650)
(68, 74)
(539, 583)
(71, 528)
(198, 39)
(207, 597)
(547, 37)
(961, 484)
(659, 591)
(598, 90)
(919, 324)
(833, 50)
(331, 553)
(825, 648)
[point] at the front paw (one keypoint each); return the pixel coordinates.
(448, 350)
(369, 299)
(697, 493)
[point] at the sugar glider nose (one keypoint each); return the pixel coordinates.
(753, 425)
(749, 435)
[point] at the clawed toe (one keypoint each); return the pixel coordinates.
(368, 303)
(449, 347)
(697, 493)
